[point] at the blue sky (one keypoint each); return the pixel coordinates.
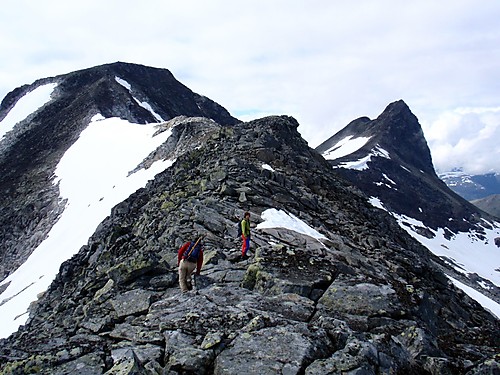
(323, 62)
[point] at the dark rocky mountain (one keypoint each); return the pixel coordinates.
(489, 204)
(472, 187)
(401, 173)
(388, 159)
(30, 153)
(364, 299)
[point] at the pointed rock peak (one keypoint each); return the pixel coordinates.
(397, 107)
(397, 117)
(399, 123)
(396, 130)
(399, 131)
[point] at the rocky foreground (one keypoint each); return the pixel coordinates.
(368, 299)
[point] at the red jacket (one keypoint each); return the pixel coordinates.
(181, 251)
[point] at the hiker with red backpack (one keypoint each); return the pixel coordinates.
(189, 258)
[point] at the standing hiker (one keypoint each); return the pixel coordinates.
(245, 234)
(189, 258)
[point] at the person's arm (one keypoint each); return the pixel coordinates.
(181, 251)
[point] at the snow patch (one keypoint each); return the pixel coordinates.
(144, 105)
(268, 167)
(274, 218)
(362, 164)
(388, 179)
(25, 106)
(379, 151)
(346, 146)
(358, 165)
(391, 185)
(487, 303)
(374, 201)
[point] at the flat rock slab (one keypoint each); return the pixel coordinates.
(132, 302)
(273, 350)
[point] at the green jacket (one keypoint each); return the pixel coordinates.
(245, 227)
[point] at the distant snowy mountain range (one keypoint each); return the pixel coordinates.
(472, 187)
(481, 190)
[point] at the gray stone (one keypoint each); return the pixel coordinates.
(183, 355)
(363, 299)
(268, 351)
(90, 364)
(132, 302)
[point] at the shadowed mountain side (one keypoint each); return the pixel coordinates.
(490, 204)
(399, 170)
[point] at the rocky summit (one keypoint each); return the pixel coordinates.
(363, 298)
(30, 152)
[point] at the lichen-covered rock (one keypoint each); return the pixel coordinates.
(132, 302)
(281, 349)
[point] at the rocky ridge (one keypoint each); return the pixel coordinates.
(366, 300)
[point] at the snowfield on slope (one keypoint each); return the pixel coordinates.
(25, 106)
(362, 164)
(93, 176)
(344, 147)
(467, 253)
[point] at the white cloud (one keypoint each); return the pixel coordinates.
(325, 63)
(467, 138)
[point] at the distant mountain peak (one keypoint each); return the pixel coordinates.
(401, 133)
(393, 148)
(396, 130)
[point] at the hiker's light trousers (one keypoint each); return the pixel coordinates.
(186, 270)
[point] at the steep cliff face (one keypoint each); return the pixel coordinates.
(355, 294)
(30, 152)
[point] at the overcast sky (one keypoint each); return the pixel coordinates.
(324, 62)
